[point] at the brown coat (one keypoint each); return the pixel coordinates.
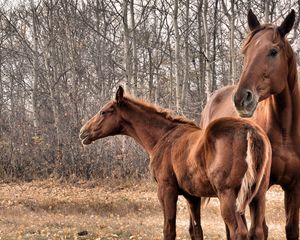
(230, 159)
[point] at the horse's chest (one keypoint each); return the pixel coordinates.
(285, 164)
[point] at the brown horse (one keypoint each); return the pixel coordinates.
(268, 92)
(231, 159)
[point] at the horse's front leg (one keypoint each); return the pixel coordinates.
(195, 228)
(168, 195)
(291, 204)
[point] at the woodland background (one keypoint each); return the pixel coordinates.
(61, 60)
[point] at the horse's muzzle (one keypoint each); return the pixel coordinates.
(245, 103)
(84, 137)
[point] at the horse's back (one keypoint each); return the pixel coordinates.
(219, 105)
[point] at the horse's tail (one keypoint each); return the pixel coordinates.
(258, 159)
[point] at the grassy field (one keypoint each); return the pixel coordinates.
(106, 210)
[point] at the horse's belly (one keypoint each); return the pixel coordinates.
(195, 186)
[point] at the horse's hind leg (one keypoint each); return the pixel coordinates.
(168, 195)
(227, 232)
(258, 229)
(228, 210)
(266, 229)
(195, 228)
(291, 204)
(242, 223)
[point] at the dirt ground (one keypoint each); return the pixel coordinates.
(106, 210)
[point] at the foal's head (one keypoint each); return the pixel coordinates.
(106, 122)
(267, 56)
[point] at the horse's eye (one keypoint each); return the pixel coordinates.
(273, 52)
(103, 113)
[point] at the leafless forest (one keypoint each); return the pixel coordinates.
(60, 60)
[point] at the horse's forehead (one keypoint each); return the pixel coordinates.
(263, 37)
(257, 42)
(263, 41)
(108, 105)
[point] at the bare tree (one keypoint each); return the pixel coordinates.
(127, 53)
(231, 17)
(267, 11)
(60, 60)
(134, 48)
(186, 53)
(177, 57)
(208, 84)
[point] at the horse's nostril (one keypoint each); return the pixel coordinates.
(249, 96)
(83, 134)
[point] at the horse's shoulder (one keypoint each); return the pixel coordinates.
(223, 92)
(219, 105)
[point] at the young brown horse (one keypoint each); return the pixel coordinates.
(268, 92)
(231, 159)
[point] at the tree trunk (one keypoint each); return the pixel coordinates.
(232, 49)
(201, 58)
(157, 93)
(177, 57)
(127, 57)
(186, 54)
(267, 11)
(1, 80)
(215, 32)
(151, 86)
(208, 81)
(134, 48)
(52, 78)
(35, 66)
(99, 55)
(231, 18)
(171, 82)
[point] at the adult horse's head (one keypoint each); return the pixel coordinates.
(267, 60)
(106, 122)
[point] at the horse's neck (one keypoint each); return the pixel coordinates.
(283, 113)
(146, 128)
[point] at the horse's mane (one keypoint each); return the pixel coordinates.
(165, 113)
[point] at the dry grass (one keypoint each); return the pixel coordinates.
(107, 210)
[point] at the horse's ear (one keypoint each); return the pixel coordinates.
(253, 23)
(287, 24)
(119, 95)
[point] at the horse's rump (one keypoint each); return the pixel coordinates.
(251, 142)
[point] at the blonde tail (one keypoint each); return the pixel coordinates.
(245, 193)
(258, 158)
